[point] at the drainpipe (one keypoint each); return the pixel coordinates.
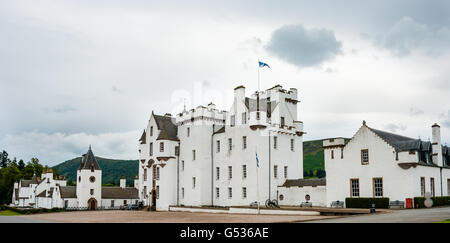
(440, 170)
(269, 164)
(178, 174)
(212, 166)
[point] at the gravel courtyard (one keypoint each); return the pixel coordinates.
(163, 217)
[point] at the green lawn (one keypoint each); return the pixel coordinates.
(8, 213)
(445, 221)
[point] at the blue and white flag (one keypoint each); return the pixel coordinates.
(262, 64)
(257, 160)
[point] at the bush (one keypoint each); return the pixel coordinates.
(366, 202)
(32, 210)
(437, 201)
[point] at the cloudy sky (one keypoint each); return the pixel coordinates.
(74, 73)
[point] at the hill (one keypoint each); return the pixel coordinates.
(112, 169)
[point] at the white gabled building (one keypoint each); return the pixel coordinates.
(207, 157)
(49, 192)
(375, 163)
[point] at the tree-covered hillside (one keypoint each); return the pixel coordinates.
(112, 170)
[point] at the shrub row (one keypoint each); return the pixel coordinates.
(366, 202)
(437, 201)
(30, 210)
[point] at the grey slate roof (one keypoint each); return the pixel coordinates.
(89, 161)
(143, 138)
(305, 182)
(44, 193)
(119, 193)
(68, 191)
(167, 127)
(26, 183)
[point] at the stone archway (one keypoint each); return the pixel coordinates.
(92, 204)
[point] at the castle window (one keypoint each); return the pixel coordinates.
(193, 182)
(244, 171)
(79, 178)
(92, 179)
(193, 154)
(275, 139)
(233, 121)
(230, 144)
(342, 153)
(332, 154)
(422, 186)
(218, 146)
(282, 121)
(151, 149)
(364, 156)
(182, 165)
(157, 192)
(182, 192)
(92, 170)
(157, 173)
(112, 203)
(244, 118)
(244, 192)
(285, 172)
(230, 172)
(217, 192)
(92, 191)
(230, 192)
(432, 187)
(161, 147)
(378, 187)
(354, 187)
(258, 116)
(275, 171)
(244, 142)
(177, 151)
(188, 131)
(151, 131)
(217, 173)
(124, 202)
(292, 144)
(154, 172)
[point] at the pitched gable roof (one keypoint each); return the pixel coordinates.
(120, 193)
(88, 161)
(402, 143)
(68, 191)
(305, 182)
(168, 129)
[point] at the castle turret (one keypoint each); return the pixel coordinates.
(89, 182)
(436, 145)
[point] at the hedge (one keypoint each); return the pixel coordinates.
(366, 202)
(31, 211)
(437, 201)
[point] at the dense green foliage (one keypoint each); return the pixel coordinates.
(366, 202)
(437, 201)
(29, 211)
(11, 172)
(313, 159)
(112, 170)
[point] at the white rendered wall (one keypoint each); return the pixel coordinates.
(294, 196)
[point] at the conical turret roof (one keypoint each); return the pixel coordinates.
(89, 161)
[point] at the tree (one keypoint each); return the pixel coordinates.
(320, 173)
(21, 165)
(4, 160)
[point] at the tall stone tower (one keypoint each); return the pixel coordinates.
(89, 182)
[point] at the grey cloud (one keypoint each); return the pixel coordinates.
(415, 111)
(394, 127)
(407, 35)
(304, 47)
(64, 108)
(446, 121)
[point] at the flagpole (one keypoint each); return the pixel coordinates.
(257, 179)
(258, 75)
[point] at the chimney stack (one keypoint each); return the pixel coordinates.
(123, 182)
(436, 145)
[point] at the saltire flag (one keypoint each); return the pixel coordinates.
(257, 160)
(262, 64)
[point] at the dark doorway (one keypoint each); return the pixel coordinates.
(92, 204)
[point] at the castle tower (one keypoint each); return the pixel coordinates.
(89, 182)
(436, 145)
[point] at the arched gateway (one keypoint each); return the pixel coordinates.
(92, 204)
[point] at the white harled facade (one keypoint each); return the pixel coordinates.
(207, 157)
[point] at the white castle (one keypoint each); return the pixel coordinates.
(207, 157)
(50, 192)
